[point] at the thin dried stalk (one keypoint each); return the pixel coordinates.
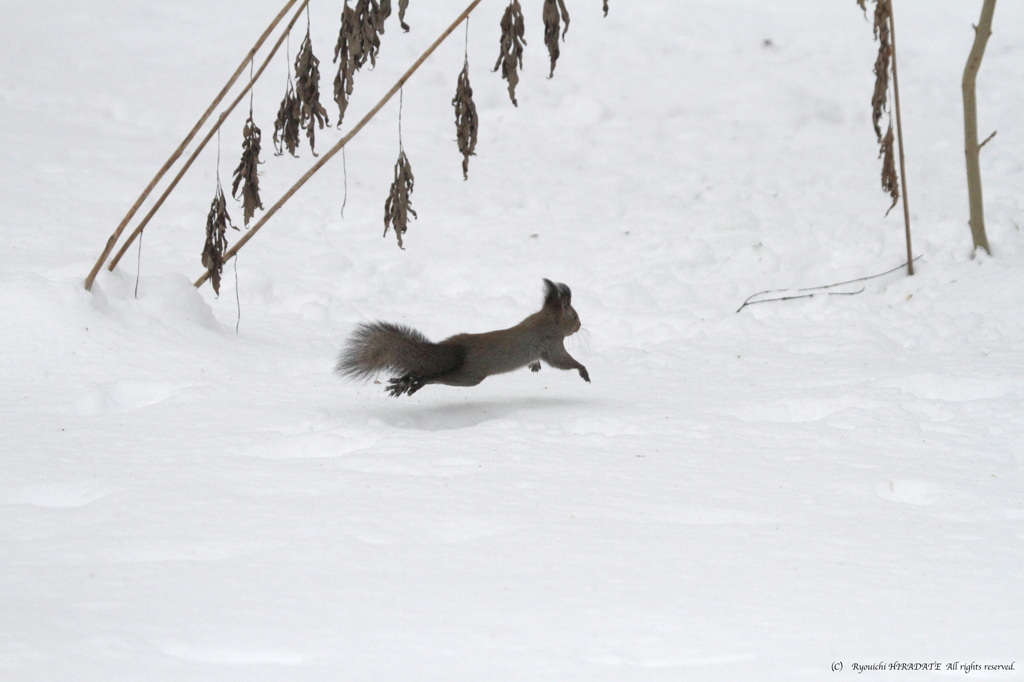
(217, 223)
(465, 119)
(512, 41)
(112, 241)
(885, 34)
(552, 10)
(307, 88)
(397, 206)
(899, 138)
(209, 135)
(288, 123)
(247, 174)
(890, 183)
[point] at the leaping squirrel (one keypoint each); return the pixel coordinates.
(464, 359)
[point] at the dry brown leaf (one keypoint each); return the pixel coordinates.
(512, 41)
(247, 174)
(287, 125)
(552, 10)
(217, 223)
(465, 119)
(307, 89)
(890, 183)
(343, 81)
(397, 206)
(358, 41)
(606, 6)
(879, 98)
(402, 6)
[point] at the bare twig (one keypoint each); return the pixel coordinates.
(971, 147)
(816, 289)
(195, 154)
(899, 137)
(987, 139)
(181, 148)
(343, 141)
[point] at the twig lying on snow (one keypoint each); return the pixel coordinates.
(816, 290)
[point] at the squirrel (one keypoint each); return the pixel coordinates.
(464, 359)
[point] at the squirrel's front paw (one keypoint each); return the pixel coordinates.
(407, 384)
(535, 367)
(584, 374)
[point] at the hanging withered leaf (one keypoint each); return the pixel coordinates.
(552, 10)
(878, 99)
(402, 6)
(890, 183)
(307, 89)
(465, 119)
(217, 223)
(358, 41)
(606, 7)
(512, 41)
(396, 207)
(288, 123)
(346, 69)
(247, 174)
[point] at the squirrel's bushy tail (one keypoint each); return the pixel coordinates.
(397, 350)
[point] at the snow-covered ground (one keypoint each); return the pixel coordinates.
(737, 496)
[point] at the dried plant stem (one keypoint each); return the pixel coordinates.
(971, 147)
(342, 142)
(213, 131)
(181, 148)
(899, 137)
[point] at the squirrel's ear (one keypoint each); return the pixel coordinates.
(556, 295)
(566, 295)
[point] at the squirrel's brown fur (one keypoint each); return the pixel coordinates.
(464, 359)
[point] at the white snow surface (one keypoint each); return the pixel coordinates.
(736, 496)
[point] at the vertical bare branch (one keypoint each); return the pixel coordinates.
(971, 147)
(899, 138)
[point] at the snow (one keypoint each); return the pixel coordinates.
(736, 496)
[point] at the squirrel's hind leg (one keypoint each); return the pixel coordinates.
(535, 366)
